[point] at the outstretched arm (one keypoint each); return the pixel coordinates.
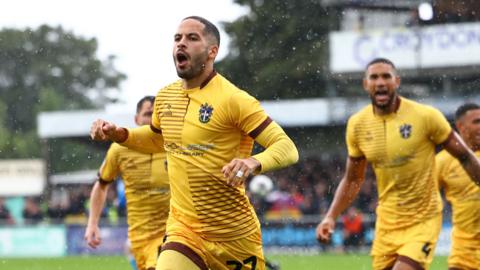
(346, 192)
(143, 139)
(457, 148)
(97, 200)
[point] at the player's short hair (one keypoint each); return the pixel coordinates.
(383, 61)
(144, 99)
(210, 28)
(463, 109)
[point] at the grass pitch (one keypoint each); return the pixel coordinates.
(337, 262)
(287, 262)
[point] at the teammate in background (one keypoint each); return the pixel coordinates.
(147, 191)
(462, 193)
(209, 127)
(398, 137)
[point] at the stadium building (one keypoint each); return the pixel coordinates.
(435, 45)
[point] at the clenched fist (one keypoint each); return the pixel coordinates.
(102, 130)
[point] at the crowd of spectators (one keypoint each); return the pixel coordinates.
(307, 189)
(67, 204)
(303, 190)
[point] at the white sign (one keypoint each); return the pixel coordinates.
(444, 45)
(39, 241)
(22, 177)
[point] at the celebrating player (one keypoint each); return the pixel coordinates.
(462, 193)
(147, 191)
(398, 137)
(208, 126)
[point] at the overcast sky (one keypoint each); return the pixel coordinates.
(139, 33)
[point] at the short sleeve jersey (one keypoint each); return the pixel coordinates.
(146, 189)
(204, 128)
(401, 148)
(462, 193)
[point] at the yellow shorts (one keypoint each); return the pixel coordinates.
(146, 252)
(465, 252)
(245, 253)
(417, 242)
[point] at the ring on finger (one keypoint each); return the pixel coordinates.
(239, 174)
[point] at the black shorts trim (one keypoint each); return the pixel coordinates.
(179, 247)
(416, 265)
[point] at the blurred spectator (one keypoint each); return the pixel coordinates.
(259, 203)
(352, 229)
(5, 217)
(297, 196)
(322, 197)
(76, 213)
(58, 205)
(32, 213)
(309, 206)
(366, 201)
(283, 203)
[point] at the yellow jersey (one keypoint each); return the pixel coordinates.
(462, 193)
(401, 149)
(147, 189)
(203, 129)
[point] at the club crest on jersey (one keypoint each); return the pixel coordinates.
(406, 131)
(205, 113)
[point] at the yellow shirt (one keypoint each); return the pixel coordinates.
(146, 189)
(462, 193)
(203, 130)
(401, 148)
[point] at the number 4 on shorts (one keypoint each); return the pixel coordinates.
(426, 249)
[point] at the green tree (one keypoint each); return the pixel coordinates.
(47, 69)
(279, 49)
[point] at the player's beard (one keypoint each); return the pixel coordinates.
(197, 65)
(386, 105)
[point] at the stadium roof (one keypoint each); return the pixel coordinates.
(77, 177)
(288, 113)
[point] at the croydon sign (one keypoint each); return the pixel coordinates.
(446, 45)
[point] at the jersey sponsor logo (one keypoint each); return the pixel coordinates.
(406, 131)
(177, 149)
(205, 113)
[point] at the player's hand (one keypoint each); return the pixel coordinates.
(239, 169)
(92, 236)
(102, 130)
(325, 230)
